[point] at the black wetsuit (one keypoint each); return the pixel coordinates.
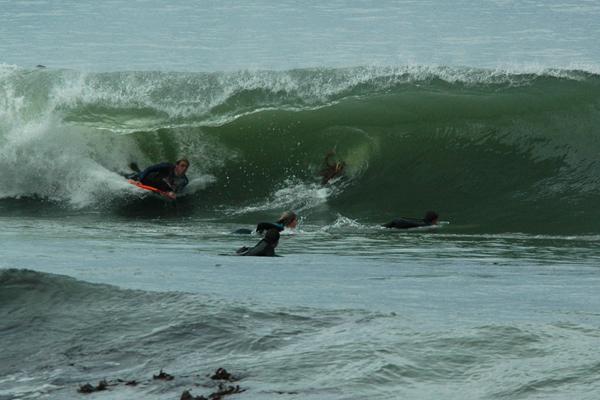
(261, 227)
(162, 176)
(265, 226)
(262, 249)
(406, 223)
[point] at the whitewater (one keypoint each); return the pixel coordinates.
(487, 113)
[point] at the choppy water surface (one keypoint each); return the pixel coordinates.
(343, 314)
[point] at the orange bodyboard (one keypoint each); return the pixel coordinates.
(148, 188)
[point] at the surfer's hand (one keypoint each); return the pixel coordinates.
(168, 184)
(171, 195)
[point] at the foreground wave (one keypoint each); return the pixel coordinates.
(508, 151)
(59, 333)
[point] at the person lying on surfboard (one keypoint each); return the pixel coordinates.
(166, 177)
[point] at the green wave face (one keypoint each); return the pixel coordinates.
(490, 151)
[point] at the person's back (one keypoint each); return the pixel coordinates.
(404, 223)
(431, 218)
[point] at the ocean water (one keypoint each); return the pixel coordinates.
(487, 112)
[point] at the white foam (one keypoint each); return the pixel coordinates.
(294, 194)
(343, 222)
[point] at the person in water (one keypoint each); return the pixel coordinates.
(264, 248)
(331, 169)
(431, 218)
(288, 219)
(167, 177)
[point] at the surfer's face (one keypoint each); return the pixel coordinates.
(181, 168)
(293, 223)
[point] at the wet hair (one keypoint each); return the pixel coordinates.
(430, 216)
(287, 218)
(272, 237)
(185, 160)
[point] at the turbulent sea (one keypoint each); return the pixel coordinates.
(496, 131)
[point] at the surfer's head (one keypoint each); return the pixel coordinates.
(288, 219)
(181, 166)
(272, 237)
(431, 217)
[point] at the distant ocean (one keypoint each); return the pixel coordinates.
(486, 113)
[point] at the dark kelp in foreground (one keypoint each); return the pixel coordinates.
(220, 374)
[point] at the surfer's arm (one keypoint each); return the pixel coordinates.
(265, 226)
